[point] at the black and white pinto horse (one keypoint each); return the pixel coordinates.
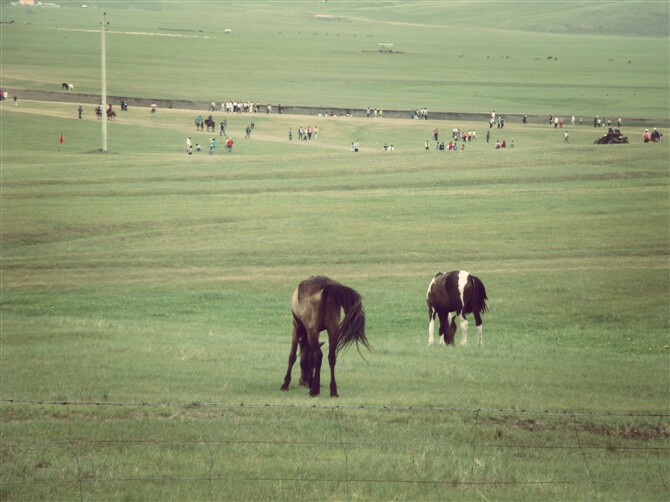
(67, 87)
(317, 305)
(456, 292)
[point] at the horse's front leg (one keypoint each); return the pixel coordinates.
(431, 325)
(291, 361)
(292, 356)
(317, 357)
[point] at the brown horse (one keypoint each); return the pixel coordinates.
(317, 304)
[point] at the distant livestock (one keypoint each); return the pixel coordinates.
(456, 292)
(67, 87)
(613, 137)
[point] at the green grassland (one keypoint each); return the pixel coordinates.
(608, 58)
(155, 286)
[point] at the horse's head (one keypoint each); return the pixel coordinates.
(306, 368)
(450, 332)
(305, 365)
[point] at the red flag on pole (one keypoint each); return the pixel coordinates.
(61, 138)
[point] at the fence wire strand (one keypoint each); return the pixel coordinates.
(196, 404)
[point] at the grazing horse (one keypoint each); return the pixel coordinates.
(67, 87)
(316, 305)
(459, 292)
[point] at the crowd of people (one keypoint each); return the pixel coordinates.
(305, 133)
(190, 147)
(496, 120)
(420, 113)
(458, 137)
(374, 112)
(242, 107)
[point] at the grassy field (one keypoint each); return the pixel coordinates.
(596, 58)
(145, 293)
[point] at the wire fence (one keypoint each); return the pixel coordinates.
(213, 450)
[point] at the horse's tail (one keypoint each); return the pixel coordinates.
(479, 294)
(352, 327)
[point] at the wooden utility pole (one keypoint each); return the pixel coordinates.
(103, 101)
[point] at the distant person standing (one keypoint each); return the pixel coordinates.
(189, 146)
(566, 136)
(80, 111)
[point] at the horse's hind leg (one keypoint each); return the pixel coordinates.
(478, 323)
(464, 329)
(332, 358)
